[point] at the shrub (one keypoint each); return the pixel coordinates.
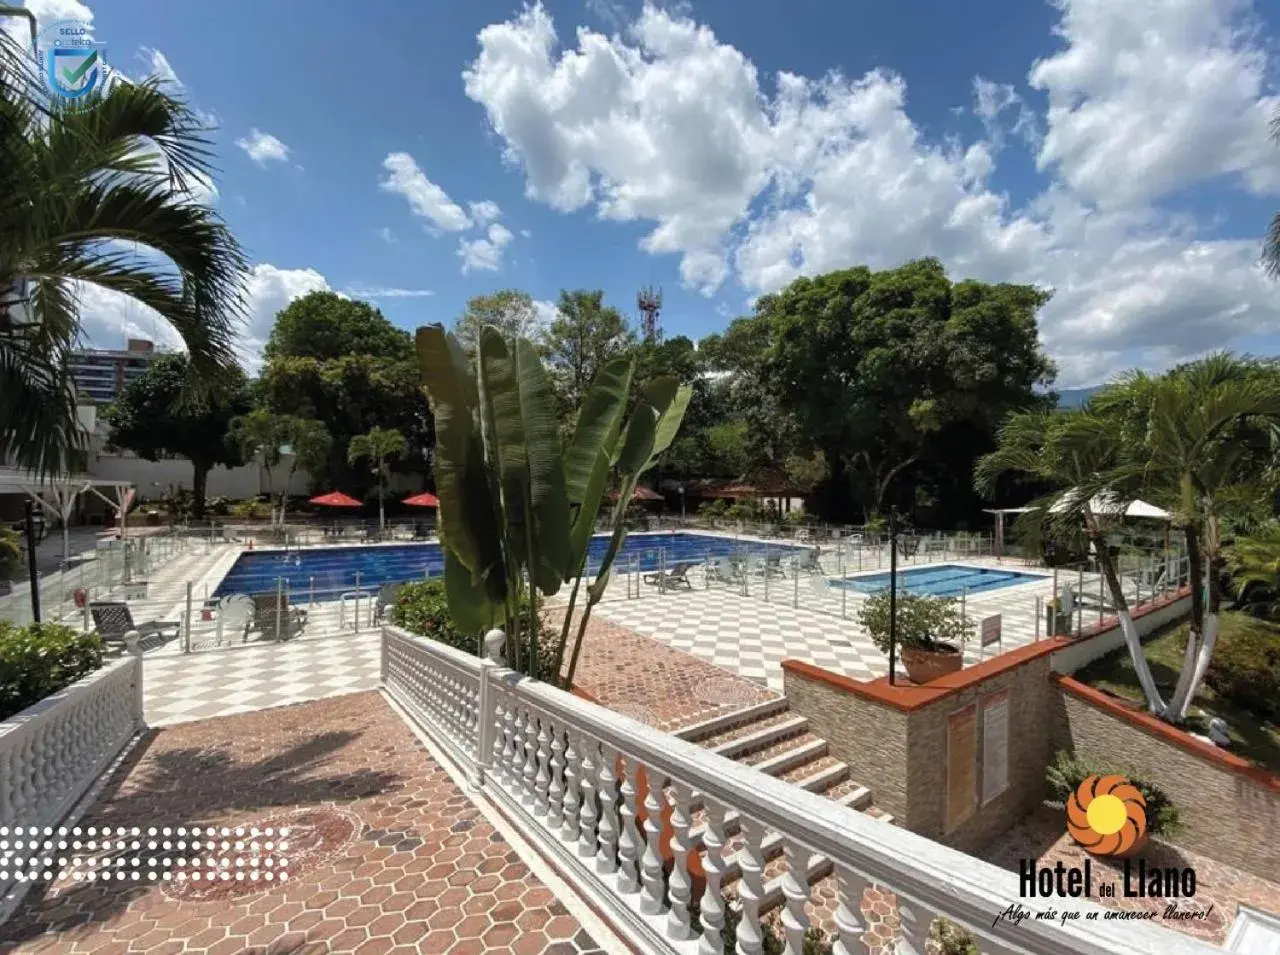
(1245, 669)
(952, 939)
(36, 661)
(11, 552)
(713, 510)
(254, 510)
(770, 941)
(423, 608)
(925, 623)
(1067, 772)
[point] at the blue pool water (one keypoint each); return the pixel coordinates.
(327, 572)
(942, 580)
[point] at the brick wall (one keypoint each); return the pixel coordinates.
(1229, 810)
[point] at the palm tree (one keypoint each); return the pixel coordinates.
(379, 445)
(1255, 565)
(98, 193)
(1190, 434)
(1080, 452)
(260, 435)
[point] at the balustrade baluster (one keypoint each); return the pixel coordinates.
(680, 886)
(529, 776)
(517, 744)
(607, 857)
(587, 806)
(751, 888)
(851, 887)
(508, 735)
(795, 888)
(542, 780)
(629, 832)
(572, 764)
(651, 902)
(711, 909)
(916, 922)
(555, 791)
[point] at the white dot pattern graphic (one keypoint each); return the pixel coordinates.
(158, 854)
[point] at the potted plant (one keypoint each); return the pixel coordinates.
(931, 632)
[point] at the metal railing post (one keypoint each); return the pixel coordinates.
(186, 623)
(1037, 638)
(279, 606)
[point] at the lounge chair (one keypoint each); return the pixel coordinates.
(387, 595)
(275, 619)
(809, 562)
(235, 617)
(772, 566)
(724, 571)
(675, 575)
(112, 619)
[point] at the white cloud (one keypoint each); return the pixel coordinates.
(365, 291)
(387, 235)
(526, 233)
(263, 147)
(484, 254)
(669, 126)
(545, 313)
(1149, 97)
(160, 67)
(485, 211)
(425, 198)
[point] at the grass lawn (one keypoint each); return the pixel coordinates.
(1251, 737)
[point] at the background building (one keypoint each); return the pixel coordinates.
(101, 374)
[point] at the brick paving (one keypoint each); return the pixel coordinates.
(1218, 885)
(647, 680)
(388, 854)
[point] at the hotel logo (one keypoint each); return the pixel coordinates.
(1107, 816)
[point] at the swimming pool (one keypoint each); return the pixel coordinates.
(329, 571)
(941, 580)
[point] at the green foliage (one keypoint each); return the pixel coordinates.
(925, 623)
(157, 416)
(11, 552)
(1254, 562)
(254, 510)
(517, 512)
(99, 191)
(510, 311)
(952, 939)
(772, 943)
(423, 608)
(341, 364)
(1067, 772)
(1245, 668)
(883, 370)
(36, 661)
(584, 335)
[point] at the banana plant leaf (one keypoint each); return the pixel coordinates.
(548, 500)
(469, 603)
(590, 456)
(469, 515)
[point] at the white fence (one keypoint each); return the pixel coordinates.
(569, 773)
(54, 750)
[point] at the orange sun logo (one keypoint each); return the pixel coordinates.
(1107, 816)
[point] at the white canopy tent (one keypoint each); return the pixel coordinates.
(1110, 506)
(58, 493)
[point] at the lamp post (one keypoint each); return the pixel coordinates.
(680, 491)
(30, 520)
(893, 594)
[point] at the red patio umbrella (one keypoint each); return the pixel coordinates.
(337, 499)
(642, 494)
(425, 499)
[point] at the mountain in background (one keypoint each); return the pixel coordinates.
(1075, 397)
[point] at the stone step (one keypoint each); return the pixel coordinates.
(825, 779)
(789, 758)
(699, 732)
(763, 738)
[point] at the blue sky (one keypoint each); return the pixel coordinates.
(1115, 152)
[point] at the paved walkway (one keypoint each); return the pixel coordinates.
(385, 853)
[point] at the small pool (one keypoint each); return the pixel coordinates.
(941, 580)
(326, 572)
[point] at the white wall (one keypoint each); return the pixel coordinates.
(242, 482)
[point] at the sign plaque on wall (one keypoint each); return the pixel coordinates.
(995, 745)
(962, 765)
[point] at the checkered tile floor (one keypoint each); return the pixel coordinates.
(182, 687)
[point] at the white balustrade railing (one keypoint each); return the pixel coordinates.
(54, 750)
(601, 793)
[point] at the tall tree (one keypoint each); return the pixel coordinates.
(873, 366)
(510, 311)
(157, 416)
(378, 447)
(260, 436)
(341, 363)
(584, 335)
(99, 192)
(309, 444)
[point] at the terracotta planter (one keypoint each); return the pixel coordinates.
(924, 666)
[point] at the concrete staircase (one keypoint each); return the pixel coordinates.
(772, 739)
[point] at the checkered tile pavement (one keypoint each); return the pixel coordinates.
(194, 686)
